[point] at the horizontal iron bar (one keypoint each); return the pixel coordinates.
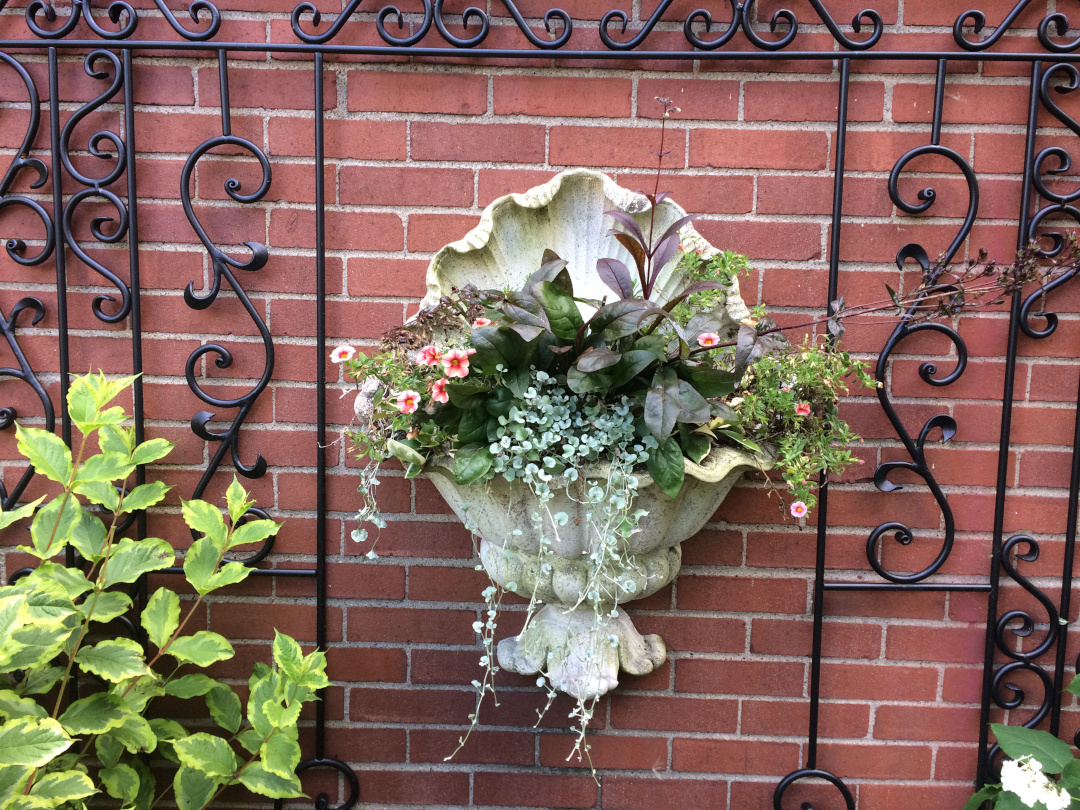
(255, 572)
(899, 586)
(510, 53)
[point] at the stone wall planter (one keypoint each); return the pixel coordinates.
(580, 653)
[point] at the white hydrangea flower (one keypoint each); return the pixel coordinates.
(1024, 778)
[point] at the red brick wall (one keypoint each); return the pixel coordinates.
(414, 151)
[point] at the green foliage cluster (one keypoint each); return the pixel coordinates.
(1041, 756)
(59, 752)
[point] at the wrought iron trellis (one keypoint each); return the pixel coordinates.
(111, 60)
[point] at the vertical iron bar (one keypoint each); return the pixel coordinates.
(823, 490)
(136, 304)
(939, 101)
(61, 267)
(1005, 440)
(320, 389)
(223, 85)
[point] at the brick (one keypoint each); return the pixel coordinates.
(795, 637)
(534, 790)
(727, 194)
(926, 723)
(758, 149)
(964, 103)
(742, 594)
(613, 146)
(430, 232)
(638, 793)
(739, 677)
(502, 143)
(411, 625)
(788, 718)
(705, 100)
(268, 89)
(456, 94)
(622, 752)
(816, 101)
(345, 230)
(358, 139)
(484, 747)
(735, 756)
(375, 185)
(415, 787)
(901, 796)
(877, 761)
(950, 644)
(878, 681)
(661, 713)
(366, 664)
(562, 97)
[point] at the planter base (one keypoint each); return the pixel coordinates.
(576, 652)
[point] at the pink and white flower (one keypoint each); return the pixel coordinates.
(482, 322)
(798, 509)
(456, 362)
(342, 353)
(408, 401)
(802, 409)
(708, 339)
(429, 356)
(438, 391)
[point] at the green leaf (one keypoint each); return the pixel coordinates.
(71, 581)
(581, 383)
(258, 779)
(99, 492)
(105, 467)
(471, 464)
(130, 559)
(237, 500)
(152, 450)
(208, 754)
(53, 524)
(193, 789)
(662, 403)
(116, 439)
(64, 786)
(403, 452)
(620, 318)
(161, 616)
(121, 782)
(13, 706)
(263, 690)
(32, 741)
(108, 750)
(144, 496)
(167, 729)
(288, 656)
(224, 707)
(137, 693)
(1007, 800)
(517, 380)
(250, 739)
(597, 359)
(1070, 777)
(13, 780)
(562, 311)
(665, 465)
(713, 382)
(28, 802)
(282, 717)
(110, 605)
(206, 519)
(1051, 753)
(114, 660)
(466, 395)
(202, 649)
(13, 515)
(147, 785)
(135, 734)
(473, 426)
(200, 564)
(280, 756)
(47, 452)
(89, 535)
(96, 714)
(632, 363)
(695, 446)
(739, 439)
(254, 531)
(40, 681)
(189, 686)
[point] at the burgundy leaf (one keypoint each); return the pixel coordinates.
(614, 274)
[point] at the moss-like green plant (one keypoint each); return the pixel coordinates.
(60, 752)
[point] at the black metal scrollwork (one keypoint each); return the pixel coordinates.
(221, 264)
(96, 186)
(16, 247)
(8, 414)
(118, 9)
(322, 801)
(977, 20)
(811, 773)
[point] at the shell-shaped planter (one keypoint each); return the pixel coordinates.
(579, 650)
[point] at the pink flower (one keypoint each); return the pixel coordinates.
(408, 401)
(802, 409)
(438, 391)
(470, 352)
(342, 353)
(456, 363)
(482, 322)
(430, 356)
(798, 509)
(708, 340)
